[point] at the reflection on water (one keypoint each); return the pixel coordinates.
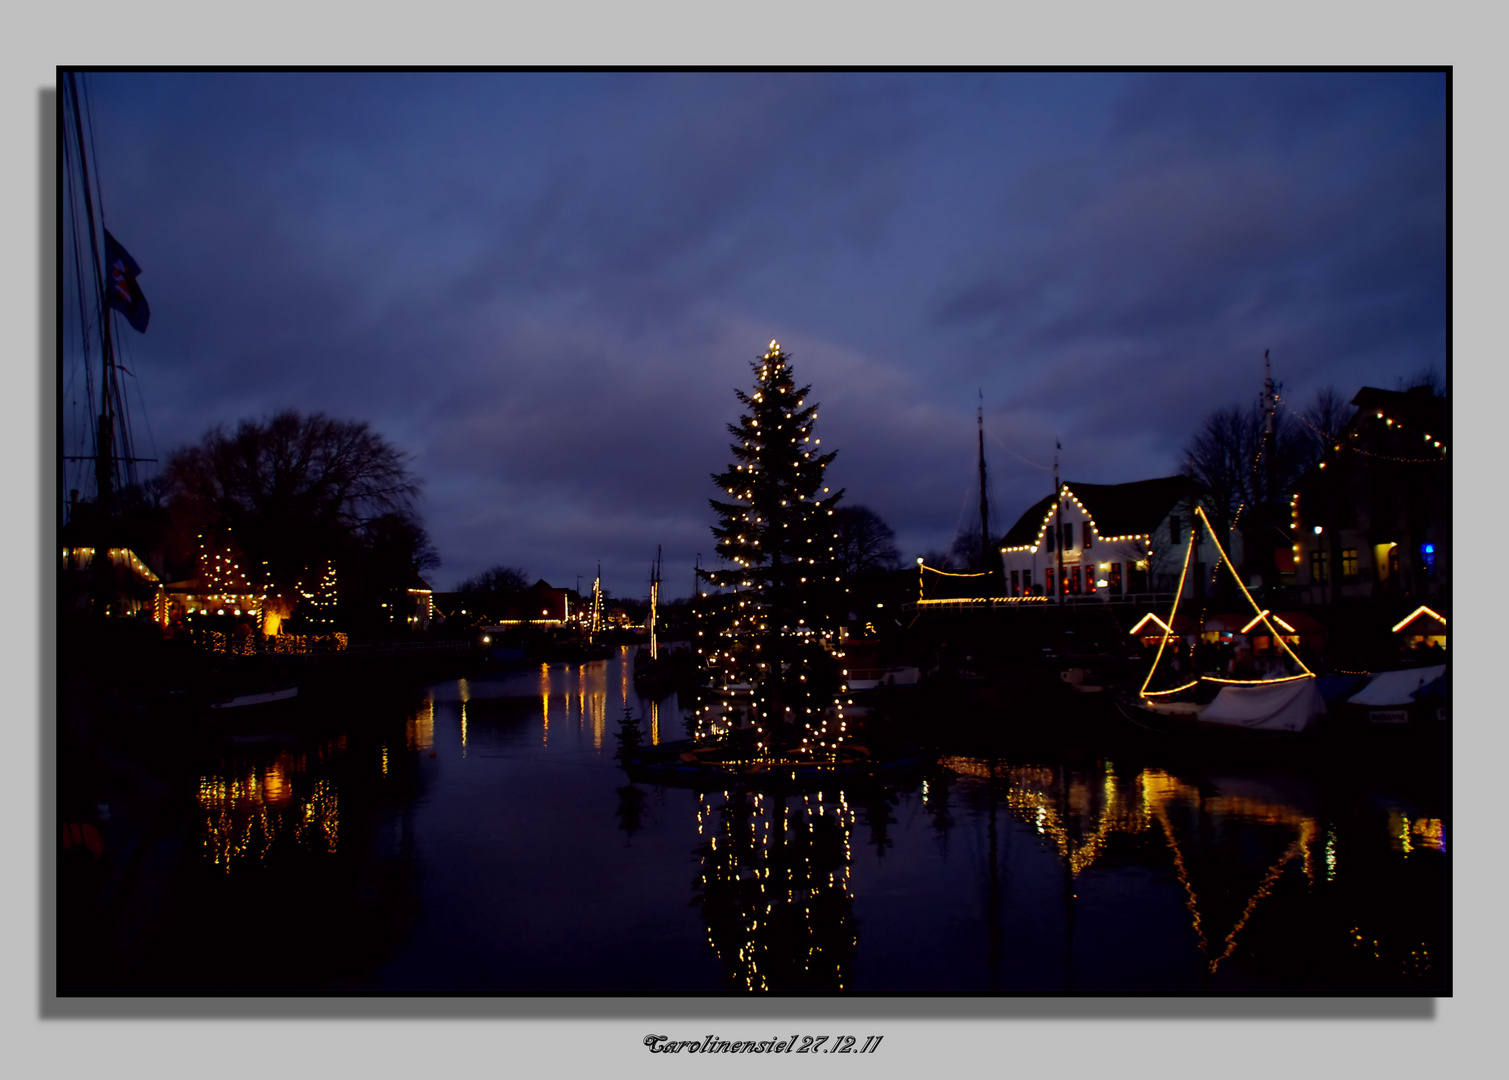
(579, 692)
(248, 807)
(544, 868)
(1233, 844)
(419, 729)
(774, 888)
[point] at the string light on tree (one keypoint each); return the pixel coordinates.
(775, 641)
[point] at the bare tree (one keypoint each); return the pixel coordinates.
(1427, 375)
(497, 580)
(1327, 414)
(1244, 464)
(489, 594)
(296, 490)
(1220, 459)
(865, 542)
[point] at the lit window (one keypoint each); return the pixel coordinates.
(1349, 563)
(1319, 574)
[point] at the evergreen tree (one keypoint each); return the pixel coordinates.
(775, 525)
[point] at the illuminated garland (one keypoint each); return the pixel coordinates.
(1412, 616)
(1263, 615)
(1042, 531)
(1390, 422)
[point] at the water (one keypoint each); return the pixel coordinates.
(480, 837)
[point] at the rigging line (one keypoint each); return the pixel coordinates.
(1357, 449)
(969, 490)
(1013, 453)
(85, 425)
(145, 419)
(94, 151)
(102, 470)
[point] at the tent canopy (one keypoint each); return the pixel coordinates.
(1281, 706)
(1396, 687)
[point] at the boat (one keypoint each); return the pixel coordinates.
(1282, 703)
(1408, 696)
(249, 701)
(658, 672)
(891, 676)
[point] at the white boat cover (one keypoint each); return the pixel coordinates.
(1396, 687)
(1285, 706)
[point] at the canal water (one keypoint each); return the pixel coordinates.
(478, 836)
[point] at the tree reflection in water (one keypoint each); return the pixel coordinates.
(774, 888)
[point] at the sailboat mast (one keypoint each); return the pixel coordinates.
(985, 560)
(1270, 393)
(104, 459)
(654, 600)
(1058, 528)
(597, 604)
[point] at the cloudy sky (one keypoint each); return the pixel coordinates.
(545, 287)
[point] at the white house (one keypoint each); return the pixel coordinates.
(1113, 541)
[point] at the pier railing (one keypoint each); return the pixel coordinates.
(1037, 603)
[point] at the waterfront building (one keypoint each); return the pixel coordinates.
(1107, 542)
(1370, 522)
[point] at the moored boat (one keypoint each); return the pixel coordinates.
(1409, 696)
(1283, 702)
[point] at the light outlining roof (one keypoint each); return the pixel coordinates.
(1144, 621)
(1265, 613)
(1133, 508)
(1412, 616)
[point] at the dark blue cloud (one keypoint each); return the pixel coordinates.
(546, 286)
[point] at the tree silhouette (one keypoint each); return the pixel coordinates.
(865, 543)
(298, 492)
(487, 596)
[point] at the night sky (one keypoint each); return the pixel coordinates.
(545, 287)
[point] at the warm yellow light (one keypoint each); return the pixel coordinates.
(1421, 610)
(1167, 629)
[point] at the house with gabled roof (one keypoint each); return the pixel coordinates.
(1109, 542)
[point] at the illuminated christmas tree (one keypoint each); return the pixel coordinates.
(778, 631)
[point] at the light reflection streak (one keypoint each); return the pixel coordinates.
(775, 889)
(1269, 880)
(545, 704)
(1111, 807)
(419, 729)
(248, 810)
(464, 692)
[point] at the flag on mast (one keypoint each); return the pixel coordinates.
(121, 289)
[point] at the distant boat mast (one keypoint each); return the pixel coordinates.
(654, 600)
(985, 560)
